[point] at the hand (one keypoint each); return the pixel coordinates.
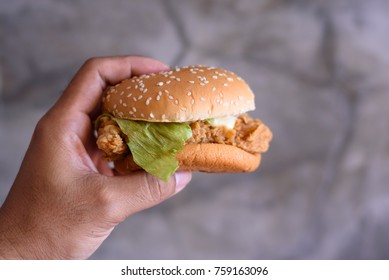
(65, 200)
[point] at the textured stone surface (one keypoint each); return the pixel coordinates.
(49, 38)
(319, 70)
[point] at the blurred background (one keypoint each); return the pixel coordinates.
(320, 72)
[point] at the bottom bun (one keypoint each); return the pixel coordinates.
(213, 158)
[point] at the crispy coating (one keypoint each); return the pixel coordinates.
(248, 134)
(110, 139)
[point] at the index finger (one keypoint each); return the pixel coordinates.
(84, 91)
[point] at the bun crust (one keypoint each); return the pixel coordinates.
(213, 158)
(182, 94)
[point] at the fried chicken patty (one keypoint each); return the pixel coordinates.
(249, 134)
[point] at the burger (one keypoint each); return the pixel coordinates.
(189, 118)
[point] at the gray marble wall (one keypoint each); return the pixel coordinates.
(320, 72)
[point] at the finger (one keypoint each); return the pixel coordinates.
(83, 94)
(84, 91)
(133, 193)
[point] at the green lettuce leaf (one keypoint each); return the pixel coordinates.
(154, 146)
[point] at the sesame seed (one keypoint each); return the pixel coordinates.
(192, 82)
(129, 87)
(134, 109)
(171, 97)
(148, 101)
(145, 90)
(189, 93)
(114, 106)
(140, 97)
(120, 101)
(176, 101)
(160, 84)
(192, 101)
(168, 82)
(178, 79)
(226, 85)
(172, 77)
(152, 115)
(134, 98)
(136, 86)
(158, 97)
(129, 95)
(142, 115)
(125, 104)
(214, 89)
(202, 98)
(159, 93)
(202, 84)
(131, 112)
(166, 91)
(230, 79)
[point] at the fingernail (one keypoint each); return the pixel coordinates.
(182, 179)
(165, 65)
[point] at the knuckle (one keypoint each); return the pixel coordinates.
(92, 63)
(101, 197)
(157, 190)
(42, 128)
(48, 128)
(104, 199)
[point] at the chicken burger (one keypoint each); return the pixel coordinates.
(188, 118)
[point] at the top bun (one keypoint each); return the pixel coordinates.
(183, 94)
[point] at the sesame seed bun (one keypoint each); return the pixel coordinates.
(206, 158)
(182, 94)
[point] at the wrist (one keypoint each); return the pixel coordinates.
(14, 242)
(8, 250)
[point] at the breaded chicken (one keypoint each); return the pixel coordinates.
(248, 134)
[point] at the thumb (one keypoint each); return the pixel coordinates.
(133, 193)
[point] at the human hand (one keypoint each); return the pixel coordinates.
(65, 200)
